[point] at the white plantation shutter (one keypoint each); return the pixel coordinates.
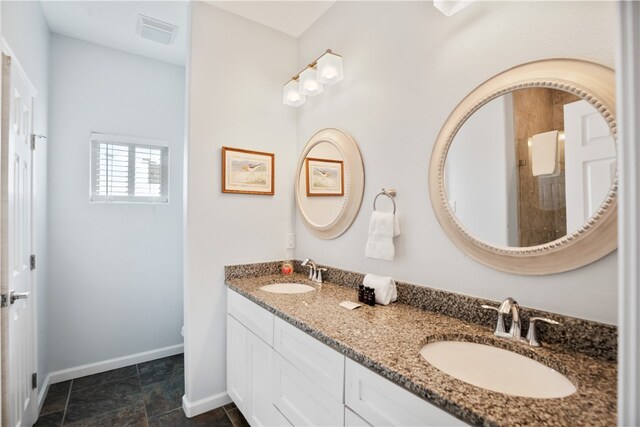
(127, 169)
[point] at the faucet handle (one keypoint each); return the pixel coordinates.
(532, 334)
(500, 323)
(319, 271)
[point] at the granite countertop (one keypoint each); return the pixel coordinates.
(388, 339)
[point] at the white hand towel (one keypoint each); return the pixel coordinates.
(385, 288)
(544, 153)
(396, 225)
(380, 242)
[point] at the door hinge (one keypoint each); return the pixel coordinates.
(33, 262)
(33, 139)
(34, 380)
(4, 300)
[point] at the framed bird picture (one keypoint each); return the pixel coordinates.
(247, 172)
(325, 177)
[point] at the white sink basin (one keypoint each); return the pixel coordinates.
(496, 369)
(287, 288)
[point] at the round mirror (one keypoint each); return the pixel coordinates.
(329, 183)
(530, 167)
(523, 175)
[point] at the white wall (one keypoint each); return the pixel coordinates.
(30, 45)
(406, 68)
(237, 70)
(116, 269)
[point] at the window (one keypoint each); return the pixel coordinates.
(128, 169)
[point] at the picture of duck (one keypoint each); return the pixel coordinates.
(251, 167)
(324, 177)
(248, 172)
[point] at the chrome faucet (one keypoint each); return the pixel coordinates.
(315, 272)
(510, 306)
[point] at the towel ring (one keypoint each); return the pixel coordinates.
(390, 193)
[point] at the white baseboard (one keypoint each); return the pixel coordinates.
(107, 365)
(42, 393)
(191, 409)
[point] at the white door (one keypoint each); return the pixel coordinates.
(590, 162)
(16, 193)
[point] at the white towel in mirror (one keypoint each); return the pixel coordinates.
(544, 153)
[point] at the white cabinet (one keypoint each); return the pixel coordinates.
(351, 419)
(301, 400)
(279, 375)
(308, 378)
(259, 374)
(237, 363)
(255, 318)
(250, 360)
(316, 360)
(382, 403)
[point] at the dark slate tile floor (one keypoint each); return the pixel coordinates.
(147, 395)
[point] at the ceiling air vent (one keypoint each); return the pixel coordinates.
(155, 30)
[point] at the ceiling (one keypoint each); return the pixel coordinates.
(290, 17)
(113, 23)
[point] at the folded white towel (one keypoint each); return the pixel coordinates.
(396, 225)
(380, 241)
(385, 288)
(544, 153)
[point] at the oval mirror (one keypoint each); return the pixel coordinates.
(329, 183)
(523, 175)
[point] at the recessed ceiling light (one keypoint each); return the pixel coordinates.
(155, 30)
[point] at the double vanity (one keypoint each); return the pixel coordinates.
(296, 357)
(522, 179)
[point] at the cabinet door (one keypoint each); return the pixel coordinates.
(301, 401)
(382, 403)
(280, 419)
(255, 318)
(260, 376)
(351, 419)
(317, 360)
(237, 363)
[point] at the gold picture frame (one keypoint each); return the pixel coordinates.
(325, 177)
(248, 172)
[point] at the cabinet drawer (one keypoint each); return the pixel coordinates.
(382, 403)
(301, 401)
(255, 318)
(316, 360)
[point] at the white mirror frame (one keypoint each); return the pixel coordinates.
(353, 182)
(598, 236)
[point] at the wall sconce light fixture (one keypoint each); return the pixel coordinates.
(451, 7)
(326, 70)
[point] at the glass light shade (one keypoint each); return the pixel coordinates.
(292, 95)
(451, 7)
(330, 69)
(309, 84)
